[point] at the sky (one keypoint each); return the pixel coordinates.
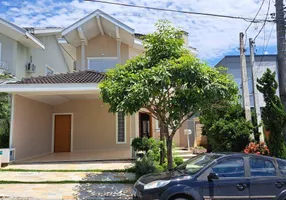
(213, 37)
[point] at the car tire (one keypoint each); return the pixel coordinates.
(180, 198)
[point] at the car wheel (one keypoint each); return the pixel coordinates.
(180, 198)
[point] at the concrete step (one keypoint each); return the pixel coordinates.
(187, 155)
(182, 152)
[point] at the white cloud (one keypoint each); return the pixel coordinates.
(213, 37)
(5, 3)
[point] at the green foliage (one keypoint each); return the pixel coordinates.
(226, 127)
(273, 115)
(144, 166)
(150, 162)
(4, 120)
(168, 81)
(145, 144)
(178, 161)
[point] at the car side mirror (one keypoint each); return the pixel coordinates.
(213, 176)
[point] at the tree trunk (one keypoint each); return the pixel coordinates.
(163, 132)
(169, 141)
(162, 149)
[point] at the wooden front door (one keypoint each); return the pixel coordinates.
(62, 133)
(145, 125)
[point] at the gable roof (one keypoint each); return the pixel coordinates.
(97, 23)
(19, 34)
(88, 76)
(94, 14)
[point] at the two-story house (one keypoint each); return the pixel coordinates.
(31, 52)
(61, 116)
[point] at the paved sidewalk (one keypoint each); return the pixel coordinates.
(73, 166)
(66, 191)
(61, 176)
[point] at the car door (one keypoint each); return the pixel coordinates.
(265, 181)
(231, 182)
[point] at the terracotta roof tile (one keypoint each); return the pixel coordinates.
(88, 76)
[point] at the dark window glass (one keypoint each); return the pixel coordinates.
(282, 166)
(120, 127)
(230, 167)
(261, 167)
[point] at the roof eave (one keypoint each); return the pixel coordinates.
(58, 87)
(94, 14)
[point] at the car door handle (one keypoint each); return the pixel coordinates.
(241, 186)
(279, 184)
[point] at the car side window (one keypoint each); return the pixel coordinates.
(261, 167)
(229, 167)
(282, 166)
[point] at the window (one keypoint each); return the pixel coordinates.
(230, 167)
(49, 71)
(120, 128)
(197, 163)
(261, 167)
(282, 166)
(101, 64)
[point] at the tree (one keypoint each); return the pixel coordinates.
(273, 115)
(168, 81)
(226, 127)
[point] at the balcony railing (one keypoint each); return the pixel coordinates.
(3, 66)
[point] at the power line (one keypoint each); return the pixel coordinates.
(255, 16)
(181, 11)
(245, 32)
(264, 23)
(265, 47)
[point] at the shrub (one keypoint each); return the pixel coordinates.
(257, 148)
(178, 161)
(145, 144)
(226, 127)
(273, 115)
(144, 166)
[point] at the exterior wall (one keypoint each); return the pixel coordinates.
(23, 57)
(232, 63)
(93, 126)
(9, 52)
(134, 52)
(178, 135)
(17, 56)
(102, 46)
(32, 127)
(51, 56)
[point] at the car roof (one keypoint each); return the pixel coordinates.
(243, 154)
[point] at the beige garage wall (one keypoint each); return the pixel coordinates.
(93, 126)
(32, 127)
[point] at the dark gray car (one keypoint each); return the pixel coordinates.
(217, 176)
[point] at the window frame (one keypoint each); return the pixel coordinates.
(227, 158)
(116, 130)
(98, 58)
(265, 159)
(50, 68)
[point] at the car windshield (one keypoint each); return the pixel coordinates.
(195, 164)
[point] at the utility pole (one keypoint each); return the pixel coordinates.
(244, 81)
(255, 91)
(281, 48)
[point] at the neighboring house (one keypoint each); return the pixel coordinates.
(262, 62)
(63, 112)
(31, 52)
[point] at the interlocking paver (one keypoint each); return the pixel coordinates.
(61, 176)
(66, 191)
